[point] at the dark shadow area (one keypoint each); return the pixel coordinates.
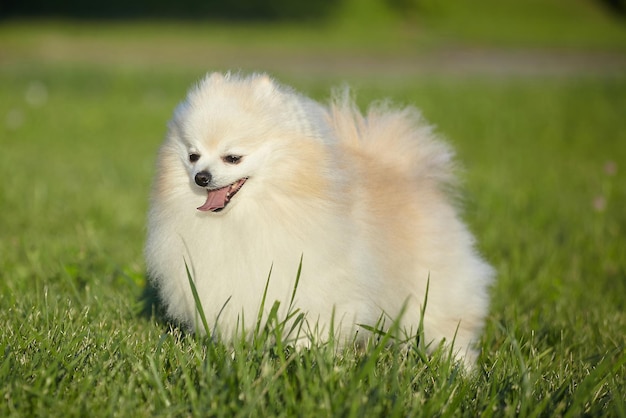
(151, 307)
(616, 7)
(269, 10)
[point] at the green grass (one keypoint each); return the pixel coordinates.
(544, 193)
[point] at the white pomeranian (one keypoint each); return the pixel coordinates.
(254, 177)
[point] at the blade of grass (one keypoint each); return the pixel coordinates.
(197, 301)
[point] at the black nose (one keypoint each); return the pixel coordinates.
(203, 178)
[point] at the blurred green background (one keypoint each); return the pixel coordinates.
(319, 38)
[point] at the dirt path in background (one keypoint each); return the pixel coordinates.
(142, 55)
(449, 62)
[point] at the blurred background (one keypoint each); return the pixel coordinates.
(319, 38)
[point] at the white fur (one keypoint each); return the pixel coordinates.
(362, 199)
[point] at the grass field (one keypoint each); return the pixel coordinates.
(544, 187)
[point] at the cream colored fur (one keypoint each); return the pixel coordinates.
(363, 199)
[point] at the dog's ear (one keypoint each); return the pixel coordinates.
(214, 77)
(263, 85)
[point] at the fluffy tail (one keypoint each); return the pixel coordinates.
(397, 137)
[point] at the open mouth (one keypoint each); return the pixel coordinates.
(217, 199)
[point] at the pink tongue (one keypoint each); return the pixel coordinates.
(216, 199)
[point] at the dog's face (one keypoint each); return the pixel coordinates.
(222, 169)
(224, 154)
(225, 133)
(241, 139)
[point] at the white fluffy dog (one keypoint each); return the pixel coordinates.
(253, 176)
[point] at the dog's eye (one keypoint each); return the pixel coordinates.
(232, 159)
(193, 157)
